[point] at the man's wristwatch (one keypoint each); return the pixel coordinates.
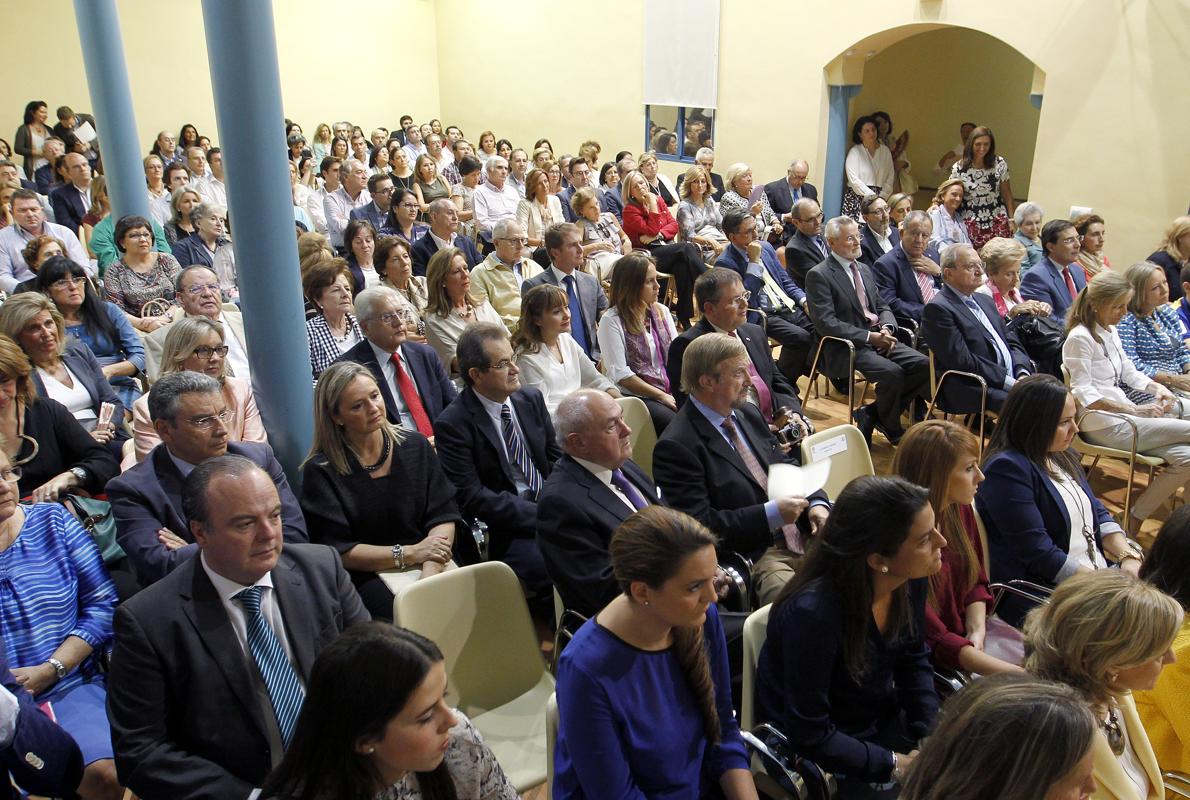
(79, 473)
(58, 666)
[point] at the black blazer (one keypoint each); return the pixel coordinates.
(433, 384)
(42, 758)
(148, 497)
(82, 362)
(590, 296)
(835, 310)
(425, 247)
(757, 344)
(869, 248)
(185, 714)
(62, 443)
(576, 516)
(779, 198)
(802, 254)
(701, 474)
(68, 207)
(898, 283)
(471, 450)
(1173, 272)
(960, 341)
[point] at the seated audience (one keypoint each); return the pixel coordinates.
(72, 198)
(770, 290)
(805, 248)
(395, 265)
(403, 218)
(699, 219)
(1003, 261)
(658, 184)
(647, 679)
(1107, 635)
(197, 290)
(899, 205)
(539, 210)
(428, 184)
(451, 307)
(375, 700)
(444, 232)
(181, 202)
(141, 277)
(207, 683)
(190, 415)
(549, 358)
(945, 215)
(1043, 522)
(496, 198)
(1103, 378)
(581, 177)
(650, 226)
(360, 239)
(373, 491)
(587, 302)
(209, 247)
(635, 335)
(497, 447)
(844, 672)
(712, 463)
(965, 333)
(333, 329)
(100, 325)
(1008, 736)
(1090, 239)
(29, 222)
(784, 193)
(603, 240)
(351, 194)
(843, 301)
(412, 380)
(463, 194)
(736, 198)
(1027, 219)
(1151, 332)
(1057, 279)
(56, 625)
(909, 276)
(500, 278)
(944, 458)
(879, 237)
(195, 344)
(1172, 255)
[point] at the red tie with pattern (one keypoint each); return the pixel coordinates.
(1069, 282)
(412, 400)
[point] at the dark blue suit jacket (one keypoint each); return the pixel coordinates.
(425, 247)
(191, 251)
(368, 211)
(433, 384)
(1028, 525)
(148, 497)
(734, 259)
(41, 758)
(870, 249)
(802, 254)
(898, 283)
(566, 194)
(472, 454)
(68, 207)
(82, 362)
(757, 345)
(1045, 283)
(615, 201)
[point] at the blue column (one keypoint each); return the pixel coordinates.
(837, 142)
(111, 103)
(242, 48)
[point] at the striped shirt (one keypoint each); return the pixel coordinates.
(1154, 343)
(53, 585)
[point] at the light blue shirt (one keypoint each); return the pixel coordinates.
(1001, 345)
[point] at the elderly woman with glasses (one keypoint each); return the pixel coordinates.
(142, 276)
(195, 344)
(333, 330)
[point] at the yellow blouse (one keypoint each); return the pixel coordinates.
(1165, 711)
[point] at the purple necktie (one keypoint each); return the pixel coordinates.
(621, 482)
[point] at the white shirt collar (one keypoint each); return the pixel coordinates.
(226, 587)
(598, 470)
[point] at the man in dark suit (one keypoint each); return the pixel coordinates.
(412, 378)
(712, 463)
(35, 753)
(784, 193)
(444, 231)
(190, 415)
(966, 333)
(496, 444)
(375, 211)
(72, 200)
(806, 248)
(878, 237)
(705, 158)
(771, 291)
(719, 294)
(909, 272)
(594, 487)
(1058, 278)
(844, 302)
(563, 243)
(209, 663)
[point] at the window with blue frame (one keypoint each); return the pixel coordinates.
(675, 133)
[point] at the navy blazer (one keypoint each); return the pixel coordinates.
(42, 758)
(1028, 525)
(576, 516)
(370, 212)
(897, 282)
(425, 247)
(755, 341)
(148, 497)
(83, 364)
(615, 201)
(960, 341)
(802, 254)
(734, 259)
(192, 251)
(590, 296)
(870, 249)
(185, 711)
(471, 450)
(781, 201)
(433, 384)
(1045, 283)
(68, 207)
(601, 194)
(1173, 273)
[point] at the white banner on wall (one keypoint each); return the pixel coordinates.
(682, 53)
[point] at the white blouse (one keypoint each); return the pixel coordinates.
(1082, 515)
(612, 348)
(556, 379)
(1096, 370)
(866, 169)
(75, 397)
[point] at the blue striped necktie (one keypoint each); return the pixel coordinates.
(285, 691)
(517, 454)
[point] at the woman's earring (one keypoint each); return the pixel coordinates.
(646, 602)
(370, 750)
(884, 569)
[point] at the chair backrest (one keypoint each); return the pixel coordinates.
(756, 628)
(845, 448)
(644, 435)
(551, 741)
(477, 615)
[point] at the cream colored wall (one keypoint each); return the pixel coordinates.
(933, 108)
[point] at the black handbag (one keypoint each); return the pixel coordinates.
(1042, 336)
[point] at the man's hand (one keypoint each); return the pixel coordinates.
(882, 342)
(754, 251)
(817, 516)
(791, 508)
(926, 266)
(171, 540)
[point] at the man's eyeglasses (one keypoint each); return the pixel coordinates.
(208, 422)
(199, 288)
(206, 352)
(522, 241)
(68, 283)
(500, 366)
(742, 299)
(387, 318)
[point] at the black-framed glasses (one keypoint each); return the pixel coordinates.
(205, 353)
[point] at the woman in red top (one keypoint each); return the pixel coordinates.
(651, 226)
(944, 458)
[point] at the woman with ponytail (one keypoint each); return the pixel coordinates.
(844, 672)
(644, 693)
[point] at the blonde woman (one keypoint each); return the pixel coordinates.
(699, 220)
(540, 209)
(1173, 255)
(321, 146)
(451, 307)
(948, 225)
(659, 184)
(1107, 635)
(428, 185)
(375, 492)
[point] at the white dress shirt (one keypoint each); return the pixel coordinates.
(390, 376)
(604, 476)
(495, 413)
(237, 353)
(493, 205)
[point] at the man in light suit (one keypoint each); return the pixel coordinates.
(806, 248)
(563, 243)
(72, 200)
(965, 332)
(210, 663)
(844, 302)
(189, 414)
(197, 290)
(909, 272)
(878, 236)
(784, 193)
(1058, 278)
(444, 232)
(415, 394)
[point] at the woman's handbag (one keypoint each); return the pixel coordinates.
(96, 517)
(1042, 336)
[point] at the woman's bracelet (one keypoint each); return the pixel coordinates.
(399, 556)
